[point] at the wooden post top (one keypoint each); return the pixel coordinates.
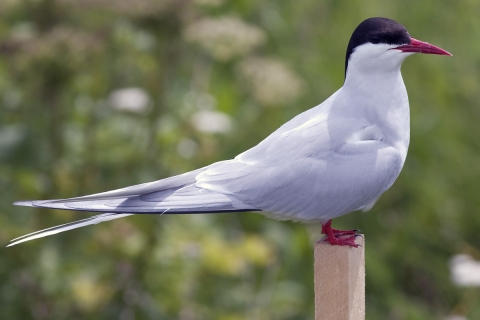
(339, 281)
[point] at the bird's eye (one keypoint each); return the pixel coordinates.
(374, 39)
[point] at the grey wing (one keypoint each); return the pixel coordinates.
(308, 189)
(310, 172)
(177, 194)
(174, 195)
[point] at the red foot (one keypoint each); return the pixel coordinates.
(339, 237)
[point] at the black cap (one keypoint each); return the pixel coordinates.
(377, 30)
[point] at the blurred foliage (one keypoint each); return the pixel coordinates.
(216, 77)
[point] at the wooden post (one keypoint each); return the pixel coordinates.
(339, 281)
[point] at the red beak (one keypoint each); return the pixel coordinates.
(422, 47)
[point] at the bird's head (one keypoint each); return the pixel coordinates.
(381, 45)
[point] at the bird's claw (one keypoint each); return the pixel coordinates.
(339, 237)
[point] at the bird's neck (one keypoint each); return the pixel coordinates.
(381, 98)
(372, 81)
(376, 93)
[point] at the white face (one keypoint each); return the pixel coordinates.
(376, 58)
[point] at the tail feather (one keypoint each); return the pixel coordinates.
(68, 226)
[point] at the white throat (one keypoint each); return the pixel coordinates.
(374, 89)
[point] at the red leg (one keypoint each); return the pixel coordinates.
(339, 237)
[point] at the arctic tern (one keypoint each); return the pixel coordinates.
(335, 158)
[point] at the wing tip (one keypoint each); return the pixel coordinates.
(24, 203)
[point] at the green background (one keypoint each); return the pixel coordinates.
(60, 136)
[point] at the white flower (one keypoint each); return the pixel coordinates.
(271, 81)
(455, 317)
(71, 44)
(187, 148)
(210, 3)
(199, 101)
(225, 37)
(10, 137)
(129, 99)
(211, 121)
(130, 7)
(465, 271)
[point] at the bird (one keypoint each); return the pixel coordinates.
(335, 158)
